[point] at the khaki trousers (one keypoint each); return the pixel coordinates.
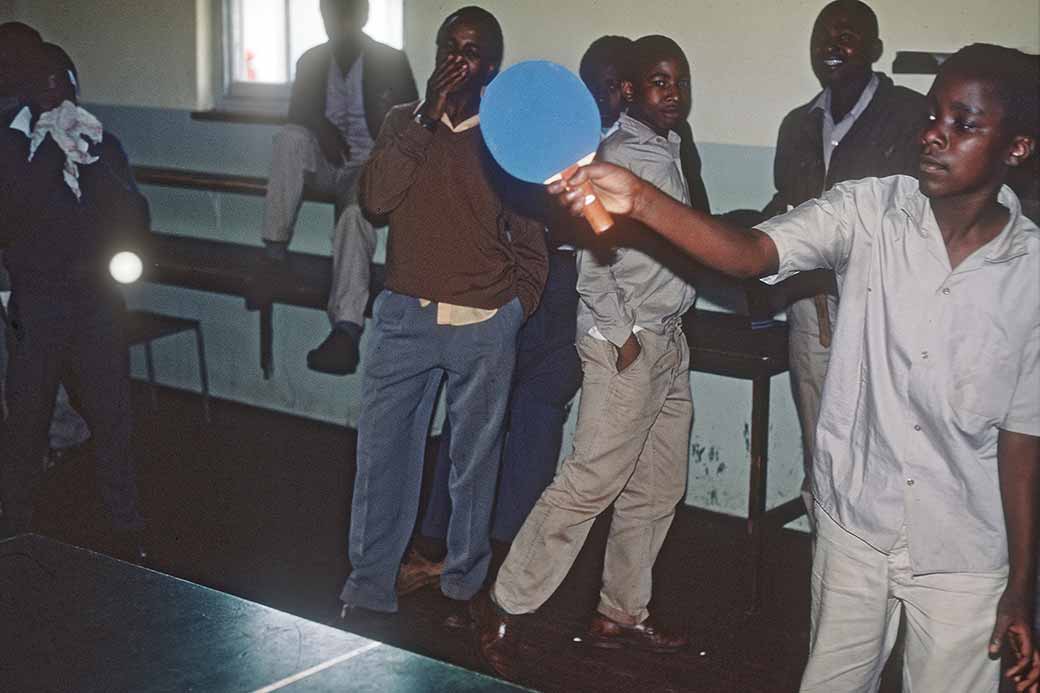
(808, 361)
(631, 448)
(297, 160)
(858, 594)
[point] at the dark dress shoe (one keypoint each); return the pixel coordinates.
(608, 634)
(417, 572)
(367, 622)
(459, 619)
(131, 545)
(337, 355)
(495, 637)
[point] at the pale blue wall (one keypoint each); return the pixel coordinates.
(736, 176)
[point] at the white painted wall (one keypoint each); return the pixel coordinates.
(750, 57)
(129, 52)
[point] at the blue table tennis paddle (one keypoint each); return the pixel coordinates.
(540, 123)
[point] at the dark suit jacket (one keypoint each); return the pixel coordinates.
(884, 141)
(386, 82)
(690, 160)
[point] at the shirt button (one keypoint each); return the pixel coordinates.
(909, 482)
(924, 354)
(917, 427)
(946, 291)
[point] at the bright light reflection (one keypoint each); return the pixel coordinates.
(126, 267)
(259, 43)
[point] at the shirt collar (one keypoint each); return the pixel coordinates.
(643, 132)
(469, 123)
(22, 122)
(823, 100)
(1008, 244)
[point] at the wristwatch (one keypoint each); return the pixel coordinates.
(424, 120)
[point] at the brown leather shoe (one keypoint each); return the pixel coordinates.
(606, 633)
(495, 636)
(417, 572)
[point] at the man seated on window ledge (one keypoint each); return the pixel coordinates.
(343, 90)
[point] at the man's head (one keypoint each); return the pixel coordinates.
(18, 43)
(845, 43)
(51, 77)
(474, 35)
(600, 69)
(656, 83)
(344, 19)
(982, 120)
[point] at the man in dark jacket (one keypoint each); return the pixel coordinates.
(63, 214)
(861, 125)
(342, 91)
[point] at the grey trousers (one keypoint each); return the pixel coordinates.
(631, 449)
(407, 356)
(858, 596)
(297, 160)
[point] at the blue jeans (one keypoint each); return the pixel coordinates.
(406, 358)
(548, 374)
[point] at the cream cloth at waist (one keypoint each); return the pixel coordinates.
(457, 316)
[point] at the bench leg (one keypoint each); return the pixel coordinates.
(149, 365)
(266, 341)
(757, 486)
(203, 373)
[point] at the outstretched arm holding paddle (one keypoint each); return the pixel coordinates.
(710, 240)
(540, 123)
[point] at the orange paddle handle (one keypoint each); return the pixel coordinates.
(596, 214)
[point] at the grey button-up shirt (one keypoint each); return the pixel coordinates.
(631, 289)
(926, 365)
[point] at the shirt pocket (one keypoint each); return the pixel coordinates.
(982, 378)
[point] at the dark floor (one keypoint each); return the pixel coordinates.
(256, 503)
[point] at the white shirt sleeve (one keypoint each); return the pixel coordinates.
(1024, 413)
(814, 235)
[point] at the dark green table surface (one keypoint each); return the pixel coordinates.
(75, 620)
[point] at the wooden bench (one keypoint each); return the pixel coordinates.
(232, 268)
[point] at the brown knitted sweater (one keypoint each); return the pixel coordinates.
(452, 238)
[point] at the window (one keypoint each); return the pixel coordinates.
(263, 39)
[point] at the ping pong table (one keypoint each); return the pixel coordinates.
(75, 620)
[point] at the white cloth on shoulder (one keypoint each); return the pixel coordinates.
(73, 129)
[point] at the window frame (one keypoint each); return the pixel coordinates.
(245, 97)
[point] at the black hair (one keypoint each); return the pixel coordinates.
(489, 27)
(860, 8)
(1014, 75)
(18, 30)
(53, 58)
(604, 52)
(646, 52)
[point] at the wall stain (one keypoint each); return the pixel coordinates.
(697, 452)
(747, 437)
